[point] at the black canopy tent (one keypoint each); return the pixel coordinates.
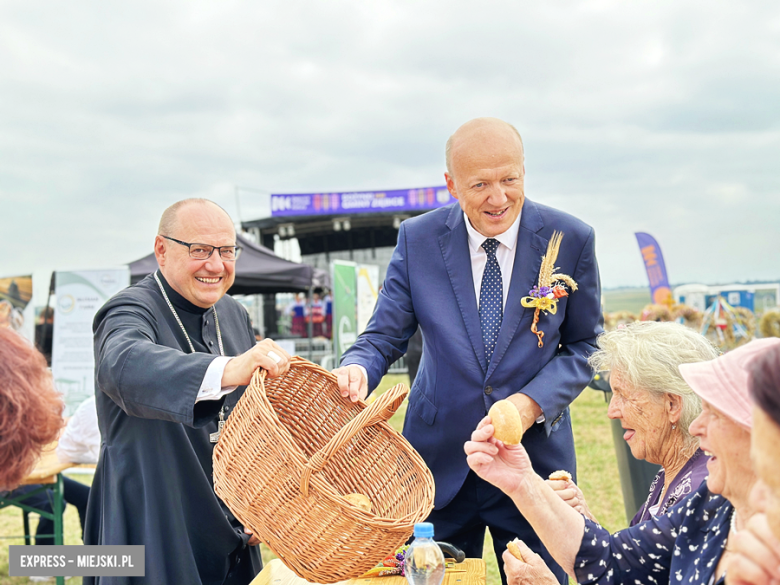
(258, 271)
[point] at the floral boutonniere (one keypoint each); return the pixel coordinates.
(392, 565)
(551, 287)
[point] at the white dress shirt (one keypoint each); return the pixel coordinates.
(505, 254)
(211, 388)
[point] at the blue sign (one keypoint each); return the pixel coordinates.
(421, 199)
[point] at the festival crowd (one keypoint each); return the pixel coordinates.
(506, 294)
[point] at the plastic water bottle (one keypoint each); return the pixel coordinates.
(424, 564)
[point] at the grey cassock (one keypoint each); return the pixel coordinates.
(153, 484)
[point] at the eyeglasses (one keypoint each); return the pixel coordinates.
(204, 251)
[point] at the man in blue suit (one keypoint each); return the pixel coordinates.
(459, 273)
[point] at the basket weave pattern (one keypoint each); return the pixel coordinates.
(289, 452)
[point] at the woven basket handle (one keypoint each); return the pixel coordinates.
(380, 410)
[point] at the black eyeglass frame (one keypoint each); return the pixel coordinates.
(218, 248)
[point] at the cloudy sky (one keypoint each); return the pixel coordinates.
(657, 116)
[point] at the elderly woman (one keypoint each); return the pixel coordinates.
(30, 408)
(687, 544)
(757, 548)
(655, 407)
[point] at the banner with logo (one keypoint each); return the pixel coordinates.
(79, 296)
(656, 269)
(344, 278)
(15, 309)
(423, 198)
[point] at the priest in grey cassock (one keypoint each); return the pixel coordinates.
(165, 379)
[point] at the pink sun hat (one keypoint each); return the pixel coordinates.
(723, 382)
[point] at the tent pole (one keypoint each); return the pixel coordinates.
(311, 321)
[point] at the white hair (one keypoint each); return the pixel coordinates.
(645, 355)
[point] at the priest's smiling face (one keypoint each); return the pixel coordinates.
(202, 282)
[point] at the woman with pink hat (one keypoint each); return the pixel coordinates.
(756, 549)
(688, 544)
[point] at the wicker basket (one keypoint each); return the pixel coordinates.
(289, 452)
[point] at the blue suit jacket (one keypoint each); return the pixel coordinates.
(429, 283)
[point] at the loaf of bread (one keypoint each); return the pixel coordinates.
(513, 548)
(506, 422)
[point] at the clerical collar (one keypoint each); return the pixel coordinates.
(179, 301)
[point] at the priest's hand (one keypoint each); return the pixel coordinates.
(266, 354)
(352, 382)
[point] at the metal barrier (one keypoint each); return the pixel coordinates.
(322, 354)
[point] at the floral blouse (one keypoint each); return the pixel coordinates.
(683, 546)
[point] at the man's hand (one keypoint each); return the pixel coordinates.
(352, 383)
(568, 491)
(532, 570)
(756, 557)
(266, 354)
(505, 466)
(527, 407)
(253, 540)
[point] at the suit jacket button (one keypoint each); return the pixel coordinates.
(489, 390)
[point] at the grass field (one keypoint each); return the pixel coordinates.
(598, 479)
(626, 299)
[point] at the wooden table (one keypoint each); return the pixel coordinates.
(469, 572)
(48, 473)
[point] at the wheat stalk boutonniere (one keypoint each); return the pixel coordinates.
(551, 286)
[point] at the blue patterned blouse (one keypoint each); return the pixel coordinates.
(683, 546)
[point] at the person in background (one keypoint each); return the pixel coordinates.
(328, 327)
(655, 408)
(689, 543)
(756, 549)
(30, 408)
(317, 315)
(80, 441)
(298, 313)
(44, 333)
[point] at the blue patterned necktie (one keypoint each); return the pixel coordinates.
(491, 299)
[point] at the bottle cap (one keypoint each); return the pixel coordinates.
(423, 530)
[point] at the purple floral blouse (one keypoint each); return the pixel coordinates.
(688, 480)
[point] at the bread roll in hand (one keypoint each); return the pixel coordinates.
(507, 425)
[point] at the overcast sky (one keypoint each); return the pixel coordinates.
(659, 116)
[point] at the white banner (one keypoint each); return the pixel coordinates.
(367, 293)
(79, 296)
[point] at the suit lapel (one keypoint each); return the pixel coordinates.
(457, 260)
(525, 273)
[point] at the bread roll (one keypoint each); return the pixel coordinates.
(359, 501)
(506, 422)
(560, 475)
(513, 548)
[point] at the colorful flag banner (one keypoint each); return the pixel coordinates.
(656, 269)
